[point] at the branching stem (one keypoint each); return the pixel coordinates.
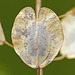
(60, 58)
(63, 15)
(5, 42)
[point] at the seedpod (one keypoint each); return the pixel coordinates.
(2, 37)
(68, 23)
(37, 41)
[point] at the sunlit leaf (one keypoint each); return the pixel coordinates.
(37, 42)
(68, 23)
(2, 38)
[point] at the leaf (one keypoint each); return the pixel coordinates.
(37, 42)
(2, 37)
(68, 23)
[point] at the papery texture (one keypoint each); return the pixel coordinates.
(37, 41)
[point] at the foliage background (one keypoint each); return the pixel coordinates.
(10, 63)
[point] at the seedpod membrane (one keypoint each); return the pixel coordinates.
(37, 41)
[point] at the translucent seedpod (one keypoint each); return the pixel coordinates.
(2, 37)
(68, 23)
(37, 41)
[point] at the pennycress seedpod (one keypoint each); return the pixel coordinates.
(37, 41)
(2, 37)
(68, 23)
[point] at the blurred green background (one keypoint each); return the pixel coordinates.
(10, 63)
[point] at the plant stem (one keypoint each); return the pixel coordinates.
(5, 42)
(63, 15)
(38, 6)
(60, 58)
(39, 71)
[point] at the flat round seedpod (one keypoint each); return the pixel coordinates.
(37, 41)
(2, 38)
(68, 23)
